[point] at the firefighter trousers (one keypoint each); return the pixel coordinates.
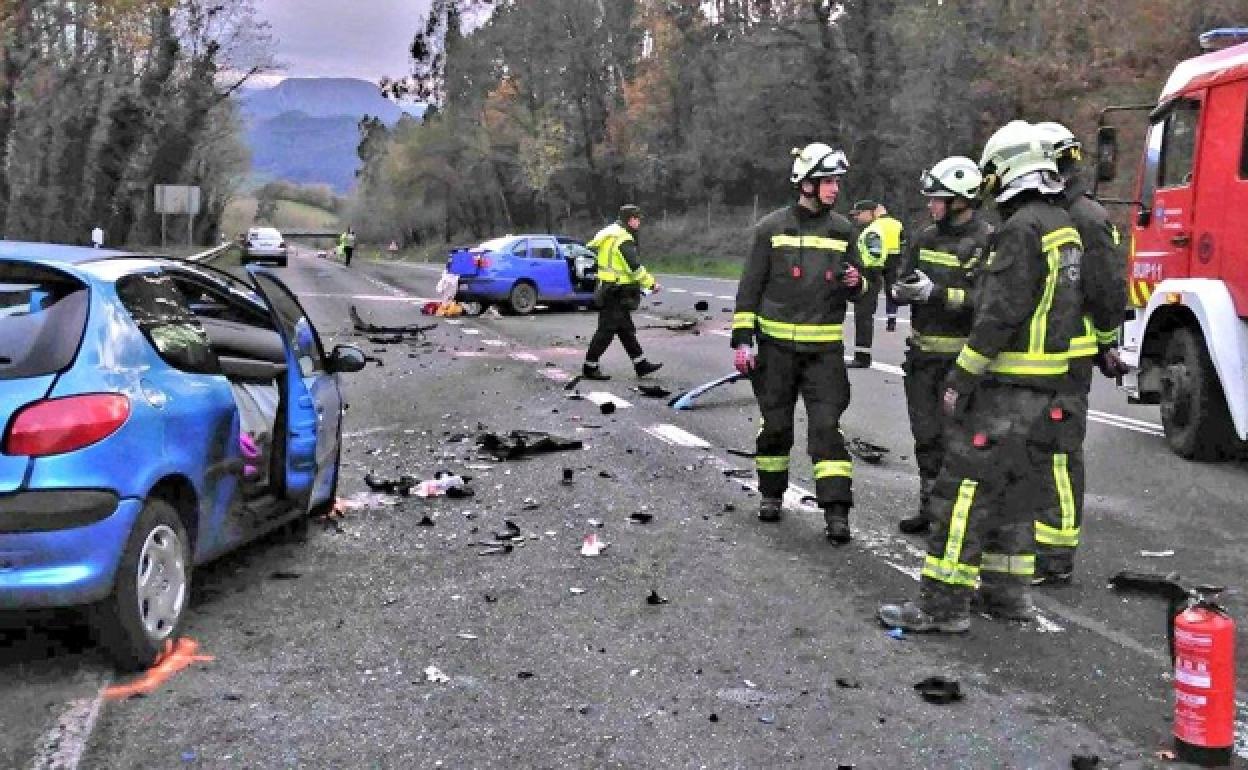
(1060, 517)
(615, 319)
(982, 502)
(864, 311)
(924, 385)
(820, 379)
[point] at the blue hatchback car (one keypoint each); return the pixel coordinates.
(156, 413)
(517, 272)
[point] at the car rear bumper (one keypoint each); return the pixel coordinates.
(264, 253)
(477, 289)
(69, 558)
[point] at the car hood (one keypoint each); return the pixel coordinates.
(15, 394)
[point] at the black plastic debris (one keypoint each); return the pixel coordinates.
(509, 532)
(402, 486)
(641, 517)
(605, 474)
(654, 598)
(868, 452)
(425, 521)
(607, 407)
(701, 306)
(767, 719)
(459, 493)
(713, 717)
(848, 684)
(572, 383)
(729, 507)
(525, 675)
(1166, 585)
(505, 548)
(742, 453)
(385, 339)
(937, 689)
(653, 391)
(566, 480)
(284, 575)
(518, 443)
(370, 328)
(1084, 761)
(739, 473)
(489, 598)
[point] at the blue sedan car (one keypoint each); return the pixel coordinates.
(517, 272)
(156, 414)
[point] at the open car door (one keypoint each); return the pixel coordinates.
(314, 404)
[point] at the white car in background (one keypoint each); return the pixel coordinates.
(264, 244)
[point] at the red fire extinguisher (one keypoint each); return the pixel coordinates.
(1204, 683)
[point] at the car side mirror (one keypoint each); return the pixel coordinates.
(346, 358)
(1106, 153)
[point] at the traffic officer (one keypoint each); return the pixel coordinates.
(1002, 394)
(937, 275)
(802, 270)
(1105, 299)
(880, 245)
(621, 280)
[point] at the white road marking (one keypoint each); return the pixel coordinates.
(703, 294)
(371, 297)
(525, 357)
(721, 332)
(470, 330)
(554, 373)
(676, 436)
(495, 343)
(62, 746)
(678, 291)
(600, 397)
(725, 297)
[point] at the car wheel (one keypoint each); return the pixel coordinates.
(523, 298)
(1193, 409)
(151, 591)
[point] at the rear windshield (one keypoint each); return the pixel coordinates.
(267, 233)
(43, 313)
(495, 244)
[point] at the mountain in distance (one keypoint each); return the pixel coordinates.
(305, 130)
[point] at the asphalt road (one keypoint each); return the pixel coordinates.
(765, 655)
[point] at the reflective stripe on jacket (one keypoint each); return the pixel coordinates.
(790, 291)
(1029, 306)
(613, 266)
(950, 255)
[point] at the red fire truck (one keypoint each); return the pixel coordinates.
(1186, 334)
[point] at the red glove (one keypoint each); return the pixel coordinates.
(743, 359)
(851, 277)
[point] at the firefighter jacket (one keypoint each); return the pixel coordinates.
(1028, 303)
(791, 291)
(618, 261)
(1104, 264)
(881, 242)
(950, 255)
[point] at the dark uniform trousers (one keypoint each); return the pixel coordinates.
(864, 309)
(982, 503)
(615, 318)
(924, 384)
(820, 379)
(1060, 519)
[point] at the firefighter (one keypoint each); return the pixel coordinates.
(621, 281)
(880, 245)
(1003, 396)
(937, 271)
(1105, 299)
(801, 272)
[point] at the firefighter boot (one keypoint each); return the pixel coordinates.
(891, 325)
(771, 509)
(940, 609)
(1004, 598)
(917, 524)
(593, 372)
(862, 360)
(644, 367)
(836, 519)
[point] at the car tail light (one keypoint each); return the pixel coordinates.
(59, 425)
(481, 260)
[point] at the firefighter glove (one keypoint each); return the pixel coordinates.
(744, 359)
(916, 287)
(1111, 364)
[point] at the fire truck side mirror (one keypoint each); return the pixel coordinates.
(1106, 153)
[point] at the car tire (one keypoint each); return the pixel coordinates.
(1194, 414)
(523, 298)
(151, 590)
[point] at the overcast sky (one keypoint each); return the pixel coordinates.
(340, 38)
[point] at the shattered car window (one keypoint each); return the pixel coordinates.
(165, 320)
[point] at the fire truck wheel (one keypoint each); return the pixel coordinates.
(1193, 408)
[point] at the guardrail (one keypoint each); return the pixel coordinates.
(211, 254)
